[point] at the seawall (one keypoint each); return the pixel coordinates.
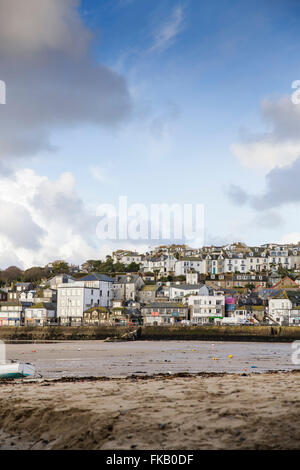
(204, 333)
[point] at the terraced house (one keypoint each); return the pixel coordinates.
(164, 313)
(206, 308)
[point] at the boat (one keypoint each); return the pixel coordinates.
(16, 370)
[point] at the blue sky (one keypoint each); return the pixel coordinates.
(208, 84)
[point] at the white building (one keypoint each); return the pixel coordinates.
(163, 265)
(126, 257)
(11, 314)
(235, 263)
(60, 279)
(205, 308)
(183, 266)
(257, 262)
(280, 310)
(126, 286)
(40, 314)
(94, 290)
(183, 290)
(192, 278)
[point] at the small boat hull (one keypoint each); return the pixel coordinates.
(16, 370)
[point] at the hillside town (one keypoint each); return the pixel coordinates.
(169, 285)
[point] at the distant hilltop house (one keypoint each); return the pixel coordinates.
(126, 257)
(228, 281)
(162, 265)
(23, 286)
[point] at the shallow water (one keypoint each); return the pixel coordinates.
(96, 358)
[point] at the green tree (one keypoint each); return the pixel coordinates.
(133, 267)
(119, 268)
(11, 274)
(60, 268)
(34, 274)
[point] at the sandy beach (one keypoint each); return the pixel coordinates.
(152, 395)
(254, 411)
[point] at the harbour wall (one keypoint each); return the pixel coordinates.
(204, 333)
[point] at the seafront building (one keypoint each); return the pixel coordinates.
(206, 308)
(74, 298)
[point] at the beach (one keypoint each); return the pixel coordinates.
(98, 358)
(152, 395)
(232, 411)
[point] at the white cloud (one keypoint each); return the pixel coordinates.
(280, 145)
(33, 25)
(266, 154)
(293, 237)
(165, 36)
(52, 81)
(99, 174)
(44, 220)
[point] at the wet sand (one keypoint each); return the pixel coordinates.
(97, 358)
(229, 405)
(255, 411)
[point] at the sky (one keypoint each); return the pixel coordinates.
(162, 101)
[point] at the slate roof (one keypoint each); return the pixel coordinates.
(96, 277)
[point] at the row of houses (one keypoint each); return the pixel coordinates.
(178, 260)
(213, 260)
(126, 299)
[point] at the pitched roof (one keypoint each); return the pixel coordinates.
(188, 286)
(96, 277)
(282, 281)
(46, 305)
(149, 288)
(98, 309)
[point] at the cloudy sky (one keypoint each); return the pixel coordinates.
(163, 101)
